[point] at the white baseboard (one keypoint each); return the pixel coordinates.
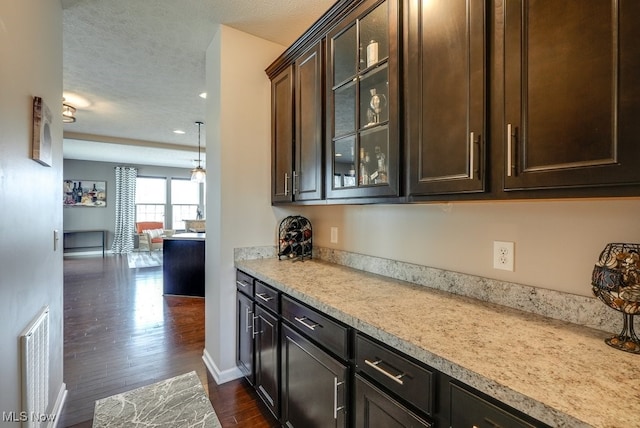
(86, 253)
(59, 404)
(220, 376)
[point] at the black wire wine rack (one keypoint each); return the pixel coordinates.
(295, 238)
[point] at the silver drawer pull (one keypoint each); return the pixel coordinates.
(395, 378)
(264, 296)
(492, 423)
(242, 284)
(304, 322)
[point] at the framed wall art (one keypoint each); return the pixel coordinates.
(84, 193)
(41, 140)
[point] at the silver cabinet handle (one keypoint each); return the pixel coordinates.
(246, 320)
(296, 178)
(509, 150)
(255, 333)
(472, 151)
(286, 181)
(242, 284)
(395, 378)
(336, 409)
(264, 297)
(303, 321)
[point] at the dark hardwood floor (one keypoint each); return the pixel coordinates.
(121, 333)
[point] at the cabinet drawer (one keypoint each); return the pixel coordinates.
(468, 409)
(407, 380)
(326, 332)
(267, 296)
(244, 283)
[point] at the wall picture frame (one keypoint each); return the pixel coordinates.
(41, 139)
(84, 193)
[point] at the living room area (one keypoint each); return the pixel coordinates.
(164, 196)
(121, 329)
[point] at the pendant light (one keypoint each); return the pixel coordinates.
(198, 174)
(68, 112)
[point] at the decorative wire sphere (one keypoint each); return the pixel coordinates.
(616, 282)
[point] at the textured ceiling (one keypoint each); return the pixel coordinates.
(139, 66)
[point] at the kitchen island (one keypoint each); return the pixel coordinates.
(183, 264)
(557, 372)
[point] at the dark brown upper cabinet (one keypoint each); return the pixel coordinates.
(282, 121)
(445, 96)
(572, 94)
(296, 116)
(362, 120)
(308, 174)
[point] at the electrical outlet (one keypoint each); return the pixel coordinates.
(334, 235)
(503, 255)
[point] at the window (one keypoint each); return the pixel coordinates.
(151, 199)
(170, 201)
(185, 198)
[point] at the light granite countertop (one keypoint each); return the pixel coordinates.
(560, 373)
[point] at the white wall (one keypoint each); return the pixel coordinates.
(238, 142)
(30, 194)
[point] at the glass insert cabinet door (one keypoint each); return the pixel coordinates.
(362, 95)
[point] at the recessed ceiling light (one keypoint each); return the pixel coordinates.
(203, 95)
(338, 155)
(179, 131)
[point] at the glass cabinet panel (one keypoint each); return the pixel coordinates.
(374, 36)
(374, 153)
(345, 109)
(344, 169)
(345, 54)
(361, 107)
(374, 91)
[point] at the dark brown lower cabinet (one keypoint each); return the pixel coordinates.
(266, 362)
(245, 348)
(314, 384)
(376, 409)
(313, 371)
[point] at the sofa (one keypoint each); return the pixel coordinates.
(151, 235)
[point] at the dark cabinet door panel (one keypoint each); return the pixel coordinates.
(308, 178)
(244, 322)
(569, 119)
(362, 120)
(445, 72)
(267, 362)
(314, 385)
(282, 136)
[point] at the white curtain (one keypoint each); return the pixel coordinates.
(125, 209)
